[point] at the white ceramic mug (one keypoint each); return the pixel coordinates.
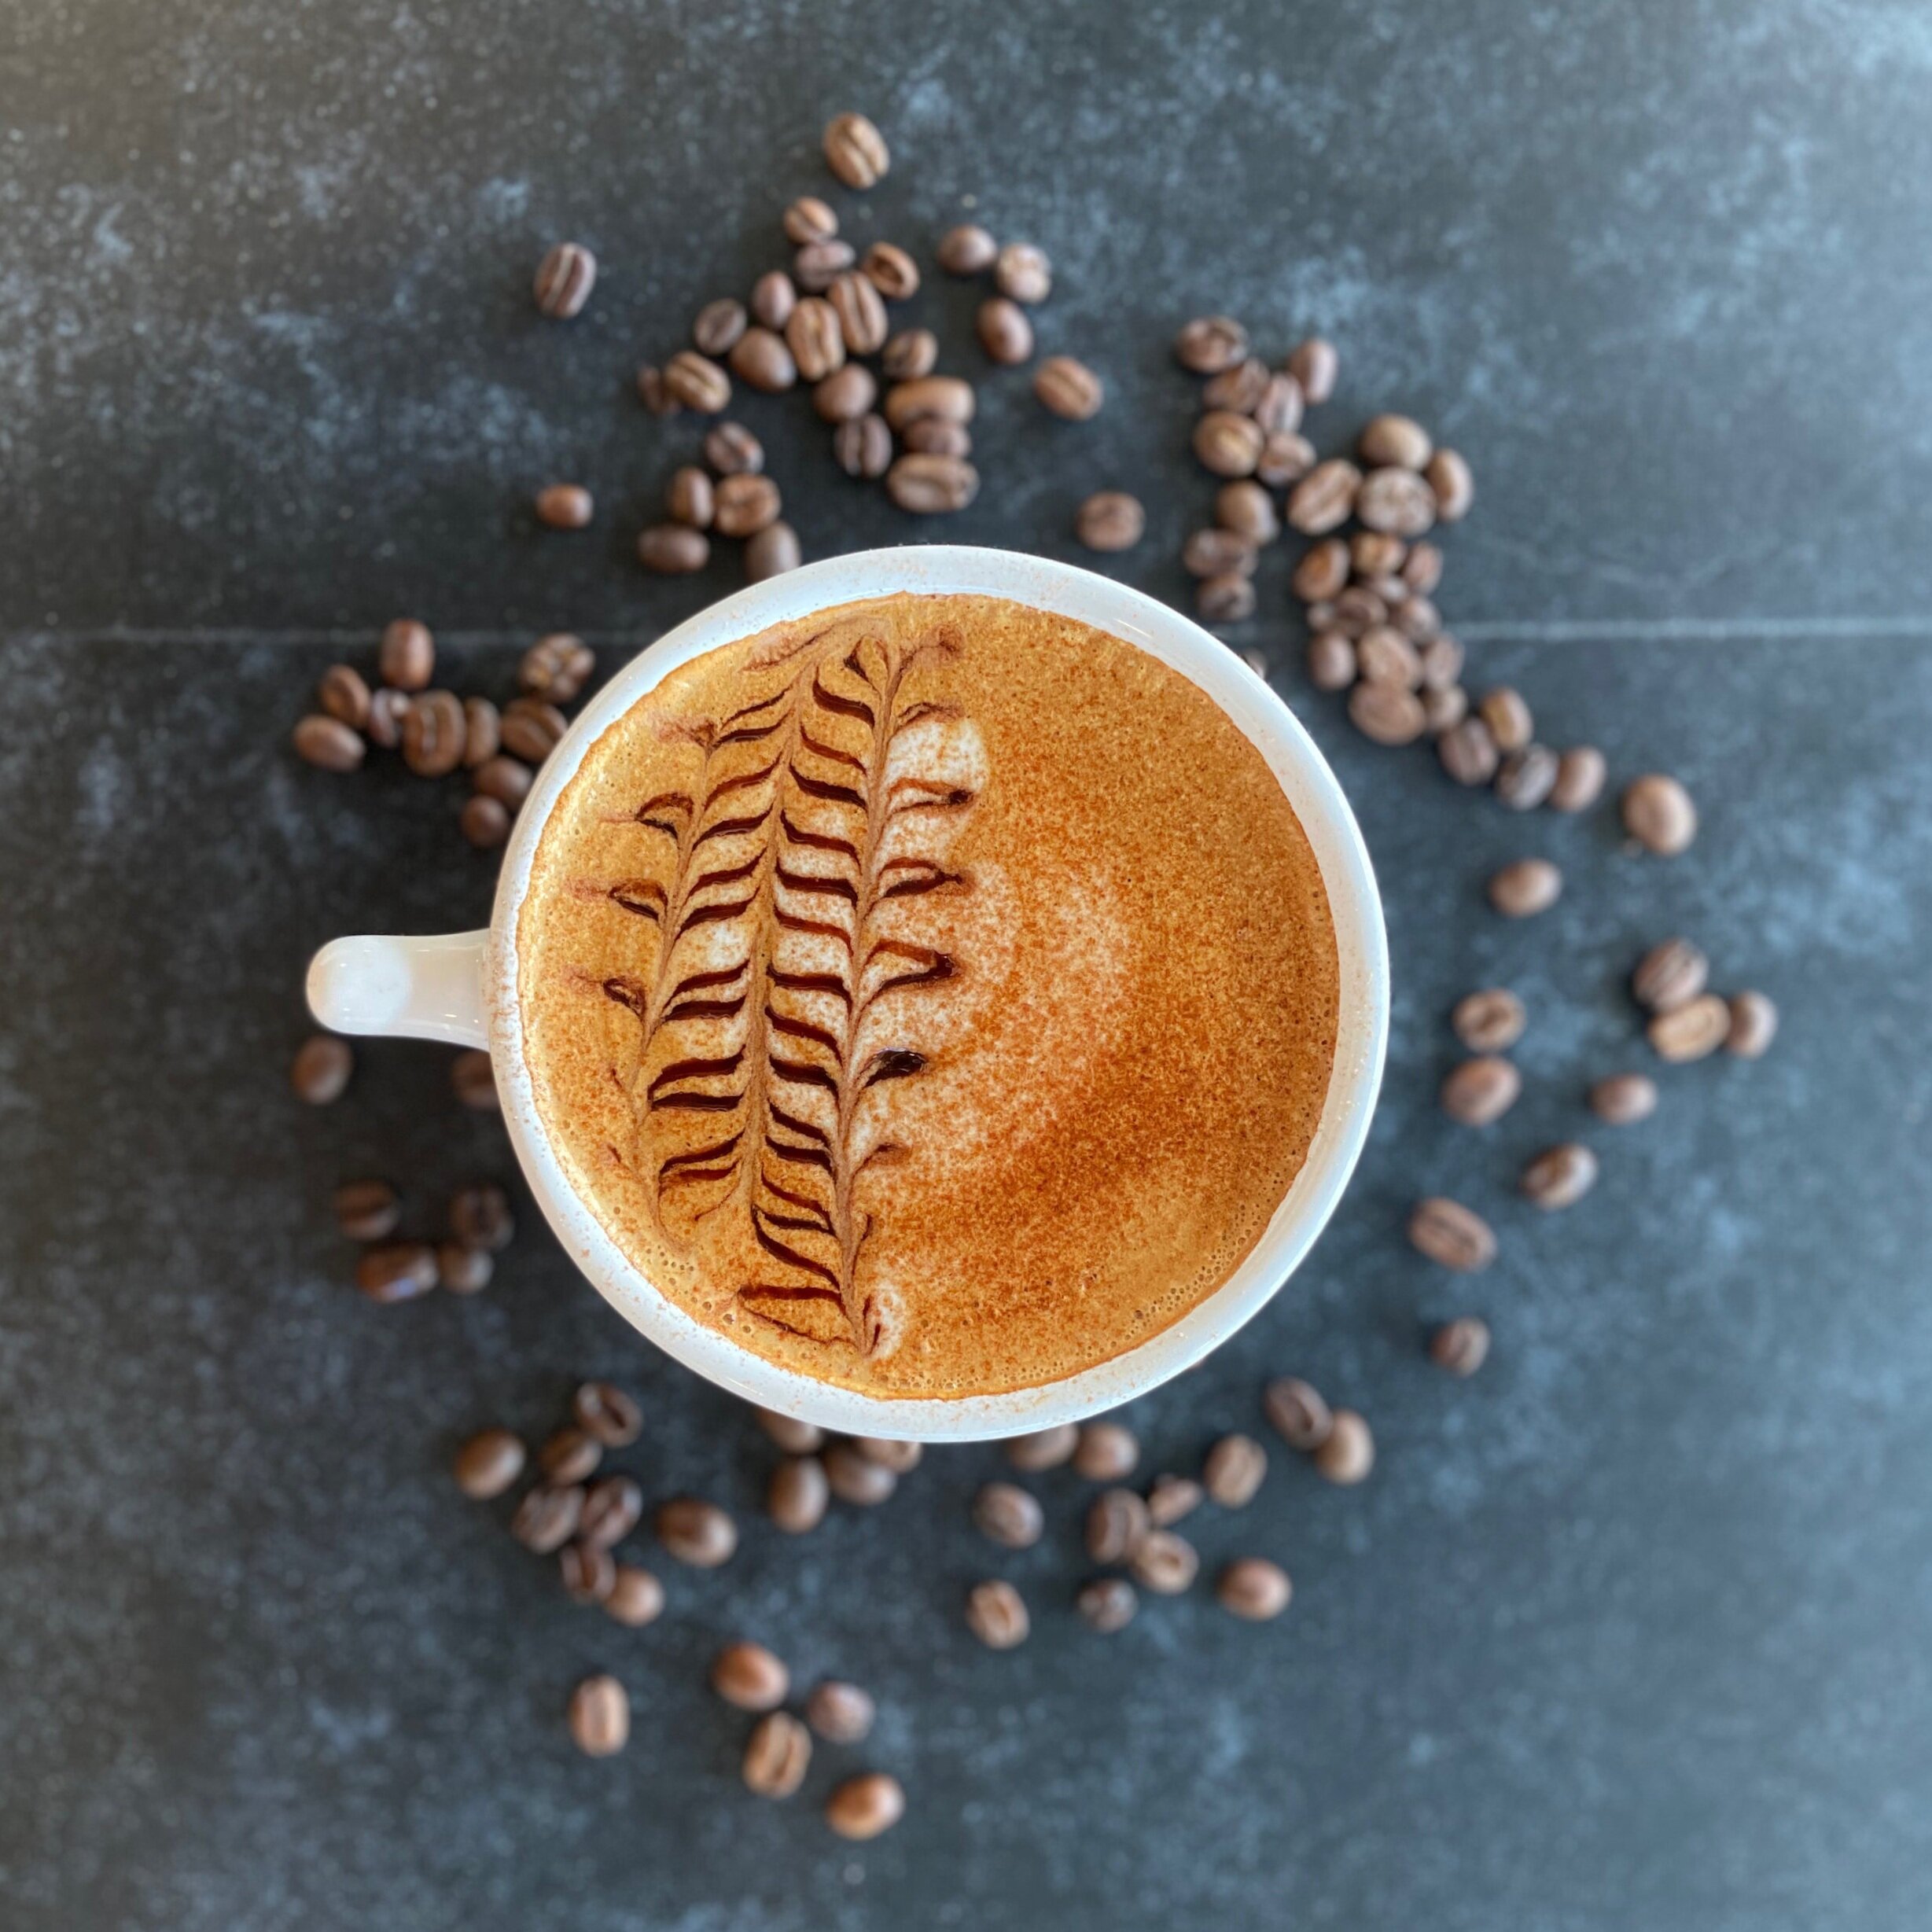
(462, 988)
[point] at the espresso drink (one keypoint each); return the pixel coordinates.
(933, 995)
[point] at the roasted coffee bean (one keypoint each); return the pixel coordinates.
(1046, 1449)
(1442, 662)
(855, 1478)
(1324, 499)
(1358, 610)
(546, 1518)
(1233, 1471)
(1278, 409)
(1522, 890)
(696, 1532)
(1239, 388)
(636, 1597)
(1390, 714)
(1022, 271)
(996, 1613)
(933, 436)
(719, 325)
(1394, 441)
(966, 249)
(855, 151)
(407, 657)
(845, 394)
(1451, 1234)
(1559, 1176)
(589, 1572)
(1321, 574)
(1422, 569)
(909, 355)
(1468, 751)
(1461, 1346)
(1508, 717)
(798, 1495)
(1671, 974)
(1384, 655)
(732, 450)
(1107, 1452)
(773, 298)
(814, 337)
(1005, 1514)
(343, 694)
(1252, 1588)
(432, 734)
(950, 398)
(1396, 500)
(565, 278)
(890, 1452)
(1374, 554)
(1482, 1090)
(1211, 344)
(652, 392)
(750, 1676)
(1004, 333)
(809, 219)
(1164, 1562)
(1417, 619)
(1579, 774)
(841, 1713)
(1698, 1027)
(465, 1270)
(605, 1412)
(532, 727)
(865, 1806)
(327, 743)
(1455, 488)
(613, 1506)
(320, 1071)
(600, 1716)
(762, 357)
(794, 1437)
(697, 382)
(818, 264)
(1110, 520)
(861, 313)
(864, 448)
(1217, 553)
(1331, 662)
(1526, 777)
(932, 485)
(556, 668)
(1300, 1417)
(1247, 508)
(1225, 599)
(891, 271)
(483, 729)
(1623, 1099)
(673, 549)
(1170, 1498)
(388, 708)
(1107, 1604)
(1068, 389)
(1286, 458)
(1314, 365)
(1443, 710)
(1116, 1521)
(1228, 444)
(569, 1455)
(777, 1755)
(1657, 813)
(1754, 1025)
(1348, 1454)
(504, 779)
(473, 1080)
(367, 1210)
(690, 497)
(772, 551)
(488, 1463)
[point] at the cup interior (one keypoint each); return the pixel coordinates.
(1311, 789)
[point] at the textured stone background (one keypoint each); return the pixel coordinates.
(1633, 1629)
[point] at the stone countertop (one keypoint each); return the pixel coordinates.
(1633, 1627)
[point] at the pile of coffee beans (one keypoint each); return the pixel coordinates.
(731, 496)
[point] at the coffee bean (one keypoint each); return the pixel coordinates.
(1004, 333)
(1482, 1090)
(320, 1068)
(1225, 599)
(405, 659)
(861, 313)
(1358, 610)
(1247, 509)
(1046, 1449)
(846, 394)
(1323, 573)
(932, 485)
(343, 695)
(773, 298)
(483, 730)
(605, 1412)
(1579, 774)
(1164, 1563)
(719, 325)
(1068, 389)
(762, 360)
(1110, 520)
(816, 266)
(1754, 1025)
(1300, 1416)
(1623, 1099)
(563, 506)
(367, 1210)
(865, 1806)
(613, 1507)
(465, 1270)
(1348, 1454)
(1107, 1452)
(893, 273)
(995, 1614)
(816, 341)
(1239, 388)
(770, 552)
(864, 448)
(432, 734)
(1116, 1521)
(809, 219)
(532, 727)
(1278, 408)
(673, 549)
(909, 355)
(1559, 1176)
(565, 278)
(1508, 717)
(777, 1755)
(1023, 272)
(1657, 813)
(1399, 442)
(1451, 1234)
(1314, 365)
(933, 436)
(1107, 1604)
(652, 392)
(473, 1080)
(546, 1518)
(841, 1713)
(1443, 710)
(1396, 500)
(570, 1454)
(507, 780)
(1461, 1346)
(488, 1463)
(636, 1597)
(556, 668)
(690, 498)
(855, 1478)
(1228, 444)
(1384, 655)
(697, 382)
(1324, 499)
(795, 1437)
(1233, 1471)
(1468, 751)
(1005, 1514)
(798, 1495)
(600, 1716)
(696, 1532)
(855, 151)
(1252, 1588)
(1331, 662)
(1218, 553)
(1454, 487)
(749, 1676)
(589, 1572)
(966, 249)
(1442, 664)
(1526, 777)
(1419, 620)
(890, 1452)
(1671, 974)
(1422, 569)
(949, 398)
(1691, 1031)
(1170, 1498)
(1522, 890)
(1390, 714)
(1374, 554)
(327, 743)
(1285, 458)
(1211, 344)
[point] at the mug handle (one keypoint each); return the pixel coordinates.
(406, 988)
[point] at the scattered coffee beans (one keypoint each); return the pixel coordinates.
(1348, 1454)
(745, 504)
(1233, 1471)
(696, 1532)
(1211, 344)
(1670, 975)
(797, 1495)
(488, 1464)
(1482, 1090)
(1526, 777)
(1754, 1025)
(1105, 1452)
(1324, 499)
(1022, 272)
(1657, 813)
(777, 1755)
(564, 506)
(1488, 1022)
(864, 448)
(1164, 1562)
(546, 1518)
(1623, 1099)
(636, 1597)
(1117, 1521)
(1110, 520)
(555, 668)
(1068, 389)
(1397, 440)
(565, 278)
(1313, 364)
(1300, 1417)
(966, 250)
(841, 1713)
(1390, 714)
(1228, 444)
(1005, 1514)
(588, 1572)
(932, 485)
(1170, 1498)
(762, 357)
(809, 219)
(605, 1413)
(613, 1507)
(327, 743)
(1254, 1588)
(1468, 751)
(855, 151)
(864, 1806)
(1107, 1604)
(995, 1614)
(673, 549)
(569, 1454)
(1692, 1031)
(1579, 774)
(846, 394)
(1004, 332)
(1522, 890)
(1247, 510)
(750, 1676)
(1451, 1234)
(1559, 1176)
(1218, 553)
(600, 1716)
(1461, 1346)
